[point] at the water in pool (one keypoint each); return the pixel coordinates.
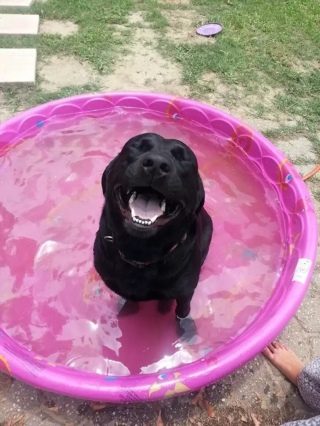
(53, 302)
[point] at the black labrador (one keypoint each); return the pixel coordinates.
(154, 232)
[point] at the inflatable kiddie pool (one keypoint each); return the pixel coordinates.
(60, 326)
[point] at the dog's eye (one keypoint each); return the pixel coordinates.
(179, 153)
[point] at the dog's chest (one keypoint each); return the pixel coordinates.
(148, 283)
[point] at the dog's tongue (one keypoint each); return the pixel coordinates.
(146, 206)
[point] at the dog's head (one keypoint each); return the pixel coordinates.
(152, 183)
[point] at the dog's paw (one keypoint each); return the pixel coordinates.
(187, 330)
(182, 310)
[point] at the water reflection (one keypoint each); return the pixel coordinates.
(53, 302)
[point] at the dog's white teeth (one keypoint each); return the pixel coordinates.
(142, 222)
(163, 206)
(133, 197)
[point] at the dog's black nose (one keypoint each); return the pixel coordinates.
(156, 164)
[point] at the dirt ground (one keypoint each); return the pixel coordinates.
(256, 394)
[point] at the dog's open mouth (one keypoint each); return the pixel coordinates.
(146, 207)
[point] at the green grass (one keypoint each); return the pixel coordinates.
(35, 96)
(158, 21)
(261, 44)
(284, 132)
(274, 43)
(95, 41)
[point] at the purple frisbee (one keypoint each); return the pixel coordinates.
(209, 30)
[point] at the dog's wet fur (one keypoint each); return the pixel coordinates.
(154, 233)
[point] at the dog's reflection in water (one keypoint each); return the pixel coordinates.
(186, 328)
(151, 341)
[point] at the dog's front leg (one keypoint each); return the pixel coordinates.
(183, 306)
(186, 327)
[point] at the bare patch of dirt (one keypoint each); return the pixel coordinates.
(304, 169)
(145, 69)
(142, 69)
(214, 81)
(63, 28)
(305, 66)
(117, 29)
(237, 101)
(58, 72)
(136, 18)
(246, 115)
(299, 149)
(183, 25)
(5, 113)
(265, 94)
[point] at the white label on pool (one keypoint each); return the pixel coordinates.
(302, 270)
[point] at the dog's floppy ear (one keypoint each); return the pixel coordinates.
(200, 195)
(104, 178)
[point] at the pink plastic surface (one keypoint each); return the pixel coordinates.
(51, 160)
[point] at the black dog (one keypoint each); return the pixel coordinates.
(154, 233)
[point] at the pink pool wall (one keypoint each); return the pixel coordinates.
(299, 250)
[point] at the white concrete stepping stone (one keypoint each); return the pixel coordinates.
(16, 3)
(19, 24)
(18, 66)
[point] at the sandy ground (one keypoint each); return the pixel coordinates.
(64, 28)
(256, 394)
